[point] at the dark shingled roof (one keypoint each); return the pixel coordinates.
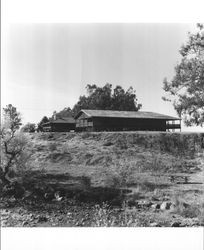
(62, 120)
(126, 114)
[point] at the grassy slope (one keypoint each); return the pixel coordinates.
(140, 162)
(92, 154)
(122, 158)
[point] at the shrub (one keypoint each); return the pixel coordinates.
(118, 175)
(29, 128)
(102, 216)
(188, 210)
(105, 216)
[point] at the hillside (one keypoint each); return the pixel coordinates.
(142, 173)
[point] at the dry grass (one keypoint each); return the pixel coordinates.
(98, 167)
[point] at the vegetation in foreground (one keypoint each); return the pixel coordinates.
(108, 179)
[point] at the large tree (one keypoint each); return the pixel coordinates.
(108, 99)
(186, 89)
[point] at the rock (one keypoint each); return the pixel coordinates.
(25, 223)
(42, 219)
(156, 206)
(144, 203)
(176, 224)
(186, 205)
(58, 196)
(165, 205)
(48, 196)
(154, 224)
(31, 217)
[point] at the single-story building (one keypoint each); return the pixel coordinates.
(111, 120)
(64, 124)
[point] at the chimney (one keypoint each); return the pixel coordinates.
(54, 115)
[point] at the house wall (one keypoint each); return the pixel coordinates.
(128, 124)
(85, 123)
(62, 127)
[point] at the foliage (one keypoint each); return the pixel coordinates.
(118, 176)
(187, 210)
(66, 112)
(13, 143)
(105, 216)
(187, 86)
(29, 128)
(105, 98)
(40, 124)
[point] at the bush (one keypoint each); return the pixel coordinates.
(188, 210)
(29, 128)
(104, 216)
(118, 175)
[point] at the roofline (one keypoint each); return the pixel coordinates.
(51, 122)
(166, 119)
(82, 110)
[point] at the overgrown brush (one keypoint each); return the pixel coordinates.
(105, 216)
(188, 210)
(118, 175)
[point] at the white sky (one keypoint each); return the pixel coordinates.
(46, 66)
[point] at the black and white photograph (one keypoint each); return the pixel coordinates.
(102, 125)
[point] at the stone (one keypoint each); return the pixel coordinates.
(156, 206)
(154, 224)
(186, 205)
(176, 224)
(25, 223)
(145, 203)
(42, 219)
(165, 205)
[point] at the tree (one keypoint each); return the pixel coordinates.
(13, 143)
(28, 128)
(186, 89)
(40, 124)
(105, 98)
(66, 112)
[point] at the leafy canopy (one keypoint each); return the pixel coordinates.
(105, 98)
(186, 89)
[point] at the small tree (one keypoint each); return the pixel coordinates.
(40, 124)
(28, 128)
(13, 144)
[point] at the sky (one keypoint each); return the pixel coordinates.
(47, 66)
